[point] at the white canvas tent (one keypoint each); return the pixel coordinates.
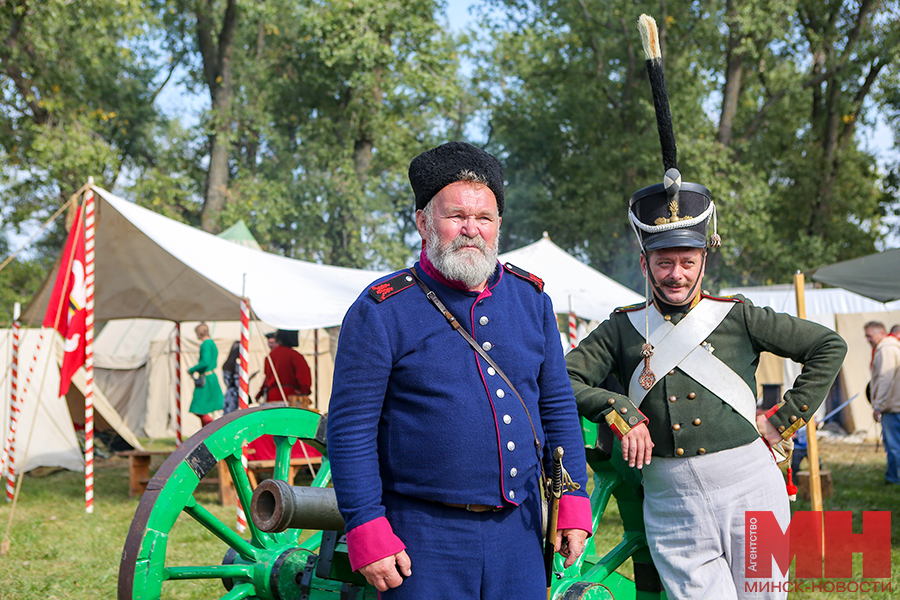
(844, 312)
(149, 266)
(571, 284)
(46, 435)
(135, 362)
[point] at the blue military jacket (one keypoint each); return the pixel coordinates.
(416, 411)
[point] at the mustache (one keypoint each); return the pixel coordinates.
(668, 281)
(462, 241)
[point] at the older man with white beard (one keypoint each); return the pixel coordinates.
(434, 450)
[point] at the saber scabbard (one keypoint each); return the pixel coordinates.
(554, 492)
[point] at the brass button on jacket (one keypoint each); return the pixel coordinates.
(676, 427)
(804, 408)
(623, 410)
(692, 395)
(696, 421)
(701, 451)
(611, 401)
(793, 418)
(672, 398)
(679, 451)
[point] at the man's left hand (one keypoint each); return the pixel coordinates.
(570, 543)
(767, 430)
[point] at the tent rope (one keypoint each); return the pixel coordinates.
(46, 224)
(63, 298)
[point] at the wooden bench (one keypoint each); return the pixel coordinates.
(139, 473)
(139, 469)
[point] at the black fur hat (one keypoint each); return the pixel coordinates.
(435, 169)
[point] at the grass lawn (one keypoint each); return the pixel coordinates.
(60, 552)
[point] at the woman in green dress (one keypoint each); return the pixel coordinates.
(208, 395)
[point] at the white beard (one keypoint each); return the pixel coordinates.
(471, 268)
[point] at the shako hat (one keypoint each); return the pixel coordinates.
(675, 213)
(435, 169)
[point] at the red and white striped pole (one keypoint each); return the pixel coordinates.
(178, 383)
(14, 421)
(573, 327)
(573, 333)
(8, 446)
(89, 207)
(316, 367)
(244, 391)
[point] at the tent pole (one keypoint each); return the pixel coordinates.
(244, 392)
(89, 348)
(815, 482)
(316, 366)
(573, 327)
(178, 434)
(8, 447)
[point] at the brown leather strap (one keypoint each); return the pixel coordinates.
(462, 331)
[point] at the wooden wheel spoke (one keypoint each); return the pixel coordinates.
(245, 494)
(242, 572)
(283, 446)
(220, 530)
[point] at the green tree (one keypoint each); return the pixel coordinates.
(76, 100)
(766, 97)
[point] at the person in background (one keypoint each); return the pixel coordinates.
(292, 370)
(231, 378)
(207, 393)
(884, 389)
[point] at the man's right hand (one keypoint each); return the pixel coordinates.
(637, 446)
(384, 574)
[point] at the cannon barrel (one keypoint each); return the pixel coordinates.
(277, 506)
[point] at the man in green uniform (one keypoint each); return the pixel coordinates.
(689, 420)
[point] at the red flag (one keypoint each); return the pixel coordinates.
(69, 318)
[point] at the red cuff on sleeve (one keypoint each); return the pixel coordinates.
(772, 411)
(574, 513)
(373, 541)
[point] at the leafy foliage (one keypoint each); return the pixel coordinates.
(770, 125)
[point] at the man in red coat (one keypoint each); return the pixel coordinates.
(292, 370)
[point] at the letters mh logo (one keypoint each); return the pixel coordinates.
(803, 540)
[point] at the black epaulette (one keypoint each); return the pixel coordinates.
(534, 280)
(384, 290)
(723, 298)
(631, 308)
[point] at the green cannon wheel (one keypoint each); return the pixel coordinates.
(265, 566)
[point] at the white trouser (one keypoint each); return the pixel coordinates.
(694, 515)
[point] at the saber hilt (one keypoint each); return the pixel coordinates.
(560, 482)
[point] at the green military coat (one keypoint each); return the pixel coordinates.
(209, 397)
(683, 417)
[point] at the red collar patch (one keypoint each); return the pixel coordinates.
(534, 280)
(384, 290)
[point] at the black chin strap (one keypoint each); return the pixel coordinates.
(658, 290)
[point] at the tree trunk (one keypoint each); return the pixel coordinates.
(216, 49)
(734, 70)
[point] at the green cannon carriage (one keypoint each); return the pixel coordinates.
(276, 565)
